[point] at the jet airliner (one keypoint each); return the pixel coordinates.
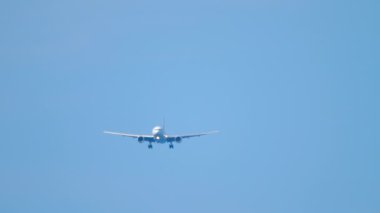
(159, 136)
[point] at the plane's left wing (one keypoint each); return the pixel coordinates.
(198, 134)
(180, 137)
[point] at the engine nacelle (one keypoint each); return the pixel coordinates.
(140, 139)
(178, 139)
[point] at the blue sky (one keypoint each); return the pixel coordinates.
(292, 86)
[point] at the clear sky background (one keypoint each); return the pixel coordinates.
(292, 85)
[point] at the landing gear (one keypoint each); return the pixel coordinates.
(150, 146)
(171, 146)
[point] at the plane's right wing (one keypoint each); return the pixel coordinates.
(140, 137)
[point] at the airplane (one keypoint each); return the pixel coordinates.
(159, 136)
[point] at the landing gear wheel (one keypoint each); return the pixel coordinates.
(171, 146)
(150, 146)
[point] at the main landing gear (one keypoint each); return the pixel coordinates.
(150, 146)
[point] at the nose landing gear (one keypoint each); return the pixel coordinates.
(150, 146)
(171, 146)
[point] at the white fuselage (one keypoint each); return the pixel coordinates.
(159, 134)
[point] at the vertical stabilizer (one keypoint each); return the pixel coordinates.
(163, 125)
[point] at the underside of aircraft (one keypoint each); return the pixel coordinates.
(159, 136)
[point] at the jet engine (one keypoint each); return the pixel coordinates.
(140, 139)
(178, 139)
